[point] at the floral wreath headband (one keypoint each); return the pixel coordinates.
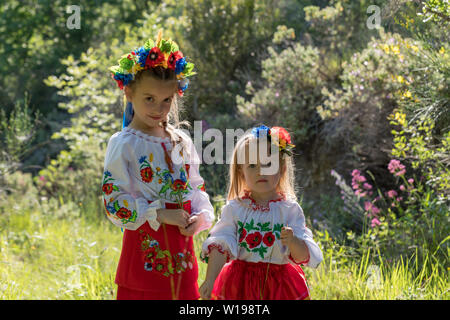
(163, 52)
(276, 135)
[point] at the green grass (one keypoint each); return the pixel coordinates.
(44, 257)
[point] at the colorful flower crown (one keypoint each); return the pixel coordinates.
(277, 135)
(163, 52)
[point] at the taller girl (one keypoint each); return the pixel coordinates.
(151, 184)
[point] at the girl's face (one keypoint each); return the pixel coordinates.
(254, 180)
(151, 99)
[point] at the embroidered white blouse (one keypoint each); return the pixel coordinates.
(136, 172)
(250, 232)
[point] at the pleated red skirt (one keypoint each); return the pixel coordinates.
(242, 280)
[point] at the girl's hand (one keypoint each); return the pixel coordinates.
(286, 235)
(176, 217)
(193, 224)
(206, 289)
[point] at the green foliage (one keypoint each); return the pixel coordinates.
(333, 86)
(427, 154)
(17, 133)
(410, 218)
(290, 79)
(436, 10)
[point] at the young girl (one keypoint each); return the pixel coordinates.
(261, 229)
(151, 184)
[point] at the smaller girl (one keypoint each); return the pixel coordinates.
(261, 229)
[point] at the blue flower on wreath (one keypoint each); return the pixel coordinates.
(143, 54)
(179, 66)
(125, 78)
(183, 84)
(261, 129)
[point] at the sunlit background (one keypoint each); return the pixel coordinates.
(363, 87)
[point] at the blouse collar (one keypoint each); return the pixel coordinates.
(146, 136)
(258, 207)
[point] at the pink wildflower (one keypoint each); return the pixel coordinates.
(375, 222)
(367, 186)
(395, 167)
(391, 193)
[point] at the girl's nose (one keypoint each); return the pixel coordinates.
(160, 108)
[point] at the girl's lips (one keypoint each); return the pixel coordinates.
(155, 118)
(262, 180)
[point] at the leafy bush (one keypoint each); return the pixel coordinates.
(289, 86)
(412, 217)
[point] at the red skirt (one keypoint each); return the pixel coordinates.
(157, 265)
(242, 280)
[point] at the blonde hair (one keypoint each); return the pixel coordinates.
(237, 185)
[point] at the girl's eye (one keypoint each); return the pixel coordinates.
(252, 166)
(149, 99)
(168, 100)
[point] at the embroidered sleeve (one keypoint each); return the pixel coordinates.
(296, 220)
(125, 207)
(222, 236)
(201, 204)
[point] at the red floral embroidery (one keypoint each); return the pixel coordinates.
(123, 213)
(219, 248)
(107, 188)
(253, 239)
(149, 254)
(162, 261)
(258, 207)
(161, 265)
(188, 166)
(179, 185)
(269, 239)
(242, 235)
(147, 174)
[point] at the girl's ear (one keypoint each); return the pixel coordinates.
(128, 94)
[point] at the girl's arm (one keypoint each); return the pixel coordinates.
(125, 206)
(201, 205)
(215, 264)
(301, 237)
(297, 247)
